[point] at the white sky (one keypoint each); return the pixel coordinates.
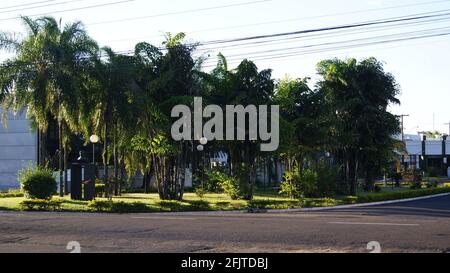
(420, 66)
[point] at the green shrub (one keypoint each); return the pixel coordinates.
(350, 199)
(328, 179)
(212, 182)
(119, 207)
(11, 194)
(136, 207)
(296, 185)
(100, 190)
(290, 185)
(231, 186)
(41, 205)
(388, 196)
(416, 186)
(273, 204)
(100, 206)
(200, 192)
(37, 183)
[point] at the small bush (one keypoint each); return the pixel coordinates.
(137, 207)
(296, 185)
(350, 199)
(416, 186)
(328, 179)
(100, 206)
(119, 207)
(231, 186)
(100, 190)
(11, 194)
(200, 192)
(37, 183)
(273, 204)
(41, 205)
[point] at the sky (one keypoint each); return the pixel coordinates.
(420, 66)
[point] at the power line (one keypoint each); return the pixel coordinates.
(178, 12)
(286, 35)
(347, 26)
(344, 42)
(339, 33)
(330, 49)
(74, 9)
(42, 6)
(27, 4)
(292, 20)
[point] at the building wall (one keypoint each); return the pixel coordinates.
(18, 148)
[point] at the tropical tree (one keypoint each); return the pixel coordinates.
(358, 95)
(304, 122)
(245, 86)
(111, 85)
(44, 74)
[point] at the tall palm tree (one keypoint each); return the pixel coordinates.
(111, 85)
(44, 75)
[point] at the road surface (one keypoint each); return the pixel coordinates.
(420, 226)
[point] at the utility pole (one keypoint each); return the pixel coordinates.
(448, 127)
(402, 120)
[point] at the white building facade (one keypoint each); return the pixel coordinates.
(18, 149)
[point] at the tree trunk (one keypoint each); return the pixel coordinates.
(60, 155)
(116, 164)
(66, 167)
(105, 161)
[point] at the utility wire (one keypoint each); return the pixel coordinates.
(27, 4)
(319, 30)
(290, 20)
(177, 12)
(74, 9)
(41, 6)
(330, 49)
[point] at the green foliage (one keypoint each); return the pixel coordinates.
(231, 186)
(119, 207)
(416, 185)
(296, 185)
(11, 194)
(200, 192)
(350, 200)
(387, 196)
(328, 179)
(274, 204)
(290, 185)
(41, 205)
(100, 190)
(37, 183)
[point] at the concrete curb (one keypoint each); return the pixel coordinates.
(220, 213)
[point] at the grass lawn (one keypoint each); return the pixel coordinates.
(129, 203)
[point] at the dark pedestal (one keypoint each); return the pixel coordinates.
(89, 182)
(76, 183)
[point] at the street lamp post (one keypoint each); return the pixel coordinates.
(94, 140)
(201, 148)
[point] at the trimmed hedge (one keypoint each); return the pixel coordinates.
(389, 196)
(41, 205)
(15, 194)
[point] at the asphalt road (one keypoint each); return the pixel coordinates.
(421, 226)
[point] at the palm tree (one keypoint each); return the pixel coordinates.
(111, 86)
(44, 76)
